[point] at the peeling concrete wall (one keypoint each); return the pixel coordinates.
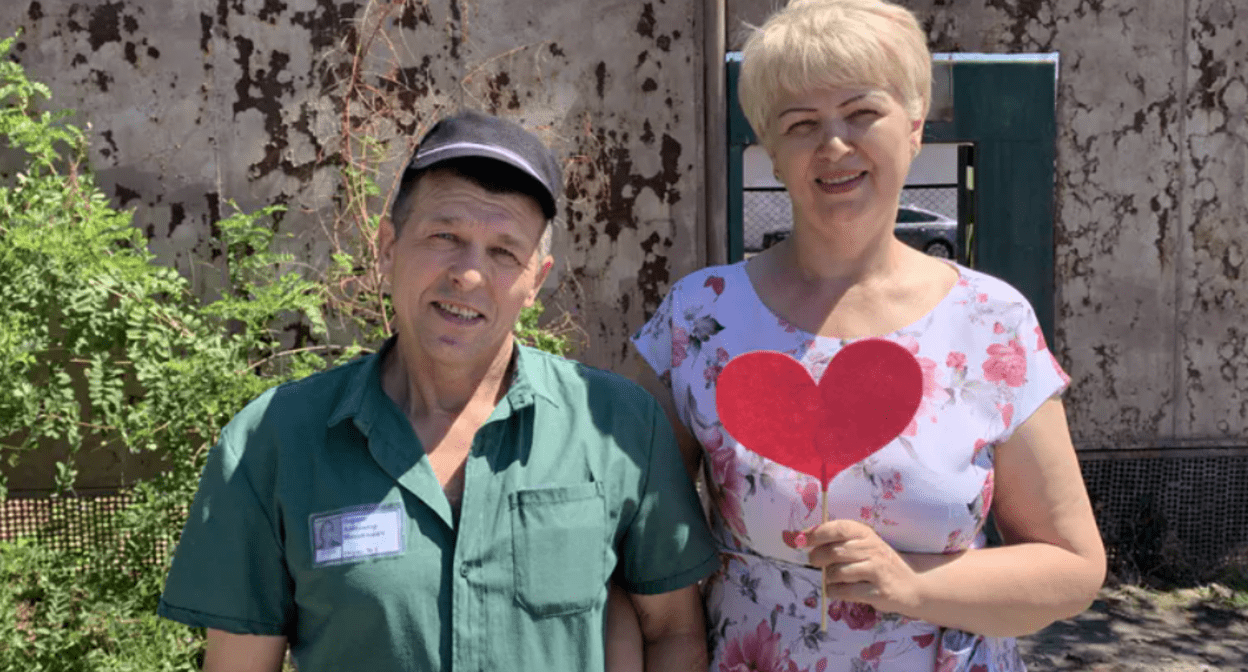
(196, 103)
(1152, 203)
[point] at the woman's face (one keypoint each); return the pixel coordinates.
(843, 155)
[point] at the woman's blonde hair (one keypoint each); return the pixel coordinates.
(814, 44)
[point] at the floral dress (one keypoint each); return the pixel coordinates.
(986, 369)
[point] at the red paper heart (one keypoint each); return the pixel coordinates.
(867, 396)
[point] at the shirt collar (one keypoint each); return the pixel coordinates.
(529, 380)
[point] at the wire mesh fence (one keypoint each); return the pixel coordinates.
(1173, 518)
(939, 199)
(69, 524)
(767, 213)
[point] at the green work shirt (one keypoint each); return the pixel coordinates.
(319, 518)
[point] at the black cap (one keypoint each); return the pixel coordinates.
(473, 134)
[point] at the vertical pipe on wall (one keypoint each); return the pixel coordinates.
(715, 121)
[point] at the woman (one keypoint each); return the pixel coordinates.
(837, 91)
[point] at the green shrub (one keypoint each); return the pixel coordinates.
(101, 346)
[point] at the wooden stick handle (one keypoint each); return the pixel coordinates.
(823, 585)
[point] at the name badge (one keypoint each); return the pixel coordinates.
(348, 535)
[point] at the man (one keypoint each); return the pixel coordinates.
(454, 501)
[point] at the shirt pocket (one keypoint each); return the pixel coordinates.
(558, 538)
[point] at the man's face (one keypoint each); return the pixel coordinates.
(463, 267)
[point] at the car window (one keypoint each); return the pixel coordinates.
(908, 216)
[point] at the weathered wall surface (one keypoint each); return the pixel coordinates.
(196, 103)
(1152, 200)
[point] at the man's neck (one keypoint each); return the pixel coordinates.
(428, 390)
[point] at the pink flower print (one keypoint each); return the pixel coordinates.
(924, 641)
(730, 510)
(713, 441)
(955, 360)
(856, 615)
(979, 668)
(986, 493)
(1039, 339)
(865, 513)
(730, 494)
(810, 495)
(931, 387)
(715, 367)
(788, 328)
(998, 328)
(680, 346)
(892, 485)
(946, 661)
(873, 652)
(723, 464)
(963, 282)
(953, 543)
(910, 343)
(1007, 363)
(980, 444)
(811, 600)
(1007, 413)
(982, 298)
(716, 284)
(1061, 373)
(912, 428)
(757, 651)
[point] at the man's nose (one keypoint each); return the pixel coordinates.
(468, 269)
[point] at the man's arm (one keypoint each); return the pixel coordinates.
(228, 652)
(673, 628)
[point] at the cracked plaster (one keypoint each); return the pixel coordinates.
(195, 102)
(199, 102)
(1151, 202)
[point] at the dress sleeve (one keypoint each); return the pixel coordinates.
(229, 571)
(654, 339)
(667, 545)
(1043, 377)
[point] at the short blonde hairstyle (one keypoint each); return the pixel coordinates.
(815, 44)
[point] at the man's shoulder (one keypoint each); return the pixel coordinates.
(572, 383)
(299, 403)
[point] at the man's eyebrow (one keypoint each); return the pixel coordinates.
(510, 240)
(455, 221)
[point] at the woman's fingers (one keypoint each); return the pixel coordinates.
(835, 531)
(840, 552)
(859, 566)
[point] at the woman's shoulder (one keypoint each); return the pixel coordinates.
(983, 288)
(715, 279)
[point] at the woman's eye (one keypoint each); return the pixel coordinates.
(802, 125)
(864, 114)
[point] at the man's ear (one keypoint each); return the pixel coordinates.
(543, 270)
(386, 239)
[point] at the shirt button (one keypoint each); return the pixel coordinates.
(463, 570)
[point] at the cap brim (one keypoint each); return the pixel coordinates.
(459, 150)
